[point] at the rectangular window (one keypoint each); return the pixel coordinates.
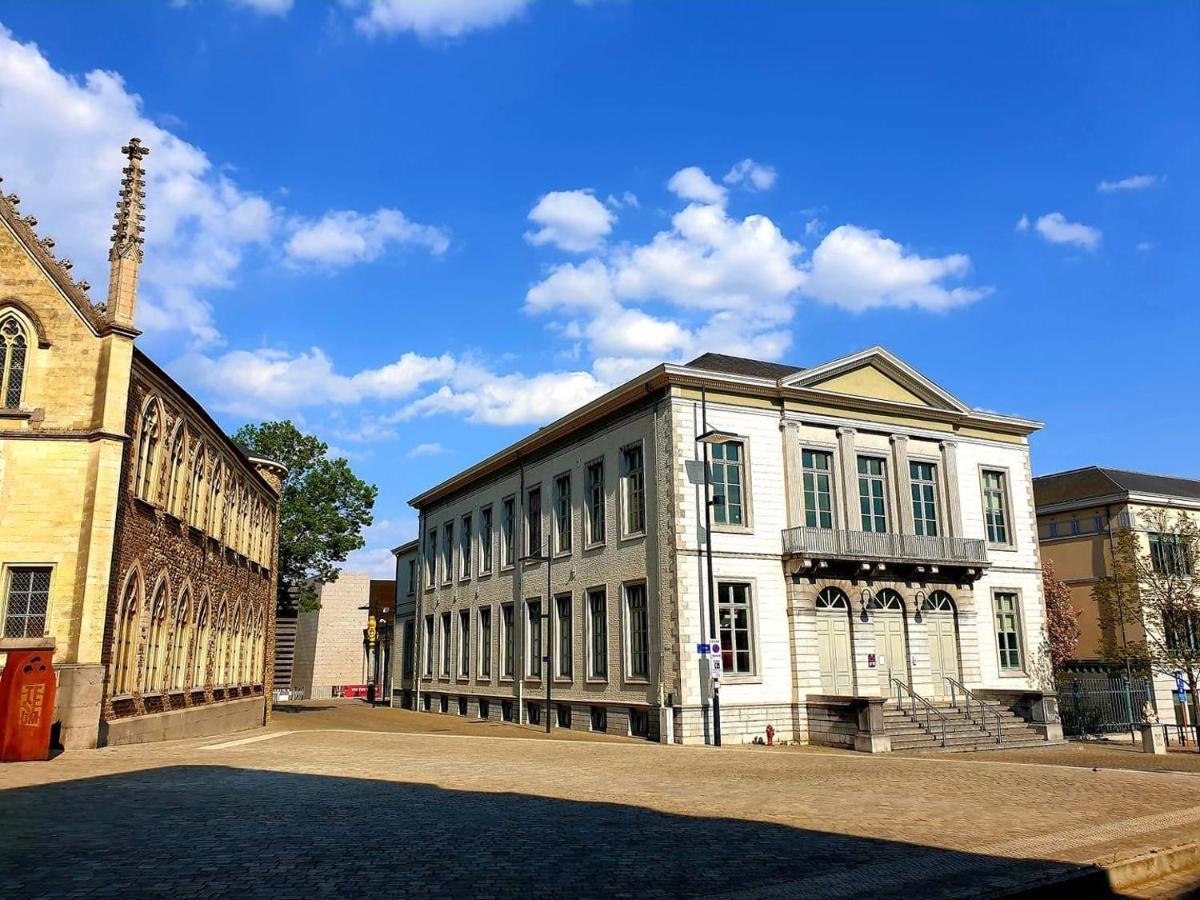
(597, 601)
(485, 541)
(412, 576)
(872, 494)
(445, 645)
(1182, 633)
(508, 663)
(995, 507)
(429, 646)
(485, 643)
(431, 558)
(737, 640)
(728, 483)
(817, 470)
(408, 649)
(923, 484)
(562, 513)
(27, 602)
(507, 520)
(533, 667)
(464, 643)
(1168, 554)
(595, 502)
(447, 552)
(563, 614)
(465, 536)
(1008, 631)
(533, 522)
(637, 617)
(633, 479)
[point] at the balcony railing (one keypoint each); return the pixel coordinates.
(866, 545)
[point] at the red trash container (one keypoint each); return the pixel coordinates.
(27, 688)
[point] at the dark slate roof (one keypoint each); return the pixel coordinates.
(739, 365)
(1096, 481)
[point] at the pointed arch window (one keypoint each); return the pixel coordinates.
(200, 649)
(14, 348)
(177, 464)
(156, 639)
(125, 647)
(149, 435)
(215, 507)
(222, 645)
(181, 640)
(199, 487)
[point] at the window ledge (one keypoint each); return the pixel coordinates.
(564, 679)
(638, 681)
(732, 529)
(741, 679)
(991, 546)
(595, 679)
(26, 414)
(635, 536)
(595, 545)
(562, 554)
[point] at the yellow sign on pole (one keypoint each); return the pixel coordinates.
(371, 629)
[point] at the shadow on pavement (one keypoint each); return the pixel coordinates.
(298, 708)
(215, 830)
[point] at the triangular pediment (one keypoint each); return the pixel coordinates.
(878, 375)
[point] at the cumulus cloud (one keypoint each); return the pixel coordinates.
(485, 397)
(378, 562)
(1132, 183)
(1056, 229)
(692, 183)
(432, 448)
(754, 176)
(859, 269)
(433, 19)
(570, 220)
(345, 237)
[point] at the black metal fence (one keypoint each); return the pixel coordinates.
(1105, 705)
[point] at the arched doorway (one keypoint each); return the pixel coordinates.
(834, 653)
(891, 638)
(941, 628)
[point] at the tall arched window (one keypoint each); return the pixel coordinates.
(243, 646)
(156, 639)
(199, 490)
(126, 644)
(145, 479)
(221, 637)
(181, 640)
(215, 501)
(256, 657)
(177, 470)
(200, 650)
(14, 346)
(229, 640)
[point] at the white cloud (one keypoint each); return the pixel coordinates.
(432, 448)
(693, 184)
(633, 332)
(378, 562)
(1132, 183)
(584, 287)
(571, 220)
(859, 269)
(268, 7)
(1055, 228)
(485, 397)
(346, 237)
(1022, 223)
(755, 175)
(432, 19)
(627, 199)
(814, 228)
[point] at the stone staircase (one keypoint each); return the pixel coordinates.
(908, 732)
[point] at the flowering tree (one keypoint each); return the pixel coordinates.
(1062, 618)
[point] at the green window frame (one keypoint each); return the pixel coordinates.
(485, 642)
(923, 486)
(508, 666)
(637, 616)
(533, 521)
(562, 513)
(872, 494)
(598, 633)
(1006, 606)
(995, 506)
(465, 536)
(533, 667)
(817, 473)
(562, 604)
(485, 541)
(728, 479)
(507, 524)
(634, 479)
(595, 502)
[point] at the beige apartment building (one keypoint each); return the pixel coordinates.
(1079, 513)
(874, 549)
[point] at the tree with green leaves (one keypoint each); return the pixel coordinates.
(323, 509)
(1062, 618)
(1150, 604)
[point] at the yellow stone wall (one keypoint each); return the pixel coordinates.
(61, 451)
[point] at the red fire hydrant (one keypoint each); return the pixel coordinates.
(770, 735)
(27, 688)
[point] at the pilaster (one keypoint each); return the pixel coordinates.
(949, 467)
(849, 486)
(900, 480)
(793, 474)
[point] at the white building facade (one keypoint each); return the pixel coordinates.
(872, 537)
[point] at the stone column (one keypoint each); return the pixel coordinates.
(953, 524)
(793, 477)
(849, 485)
(904, 510)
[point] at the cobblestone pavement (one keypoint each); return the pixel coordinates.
(306, 811)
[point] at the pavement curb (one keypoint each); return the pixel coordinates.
(1109, 879)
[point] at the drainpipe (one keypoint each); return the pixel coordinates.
(418, 618)
(518, 602)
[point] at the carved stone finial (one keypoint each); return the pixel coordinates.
(134, 149)
(127, 228)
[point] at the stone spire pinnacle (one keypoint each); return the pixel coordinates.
(125, 256)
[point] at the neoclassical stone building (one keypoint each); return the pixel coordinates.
(873, 537)
(133, 531)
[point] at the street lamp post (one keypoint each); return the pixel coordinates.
(711, 436)
(547, 671)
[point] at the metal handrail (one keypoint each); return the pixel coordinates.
(883, 545)
(985, 709)
(915, 698)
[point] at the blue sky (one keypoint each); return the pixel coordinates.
(422, 230)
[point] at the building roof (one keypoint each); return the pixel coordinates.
(1097, 481)
(740, 365)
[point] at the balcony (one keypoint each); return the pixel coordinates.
(821, 545)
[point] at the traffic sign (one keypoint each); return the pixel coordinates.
(702, 649)
(715, 648)
(1179, 683)
(715, 663)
